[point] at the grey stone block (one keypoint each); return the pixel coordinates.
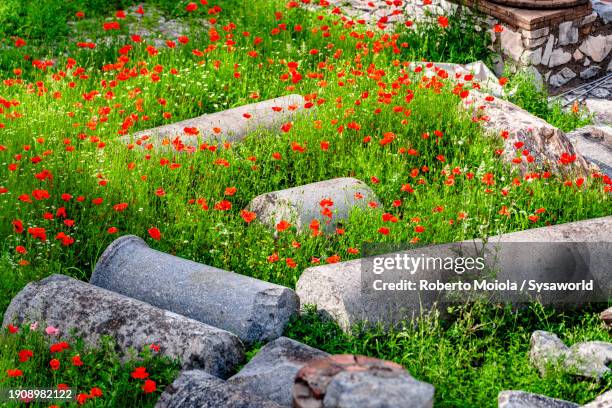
(234, 126)
(603, 401)
(198, 389)
(69, 304)
(595, 144)
(252, 309)
(522, 399)
(300, 205)
(586, 359)
(344, 292)
(273, 369)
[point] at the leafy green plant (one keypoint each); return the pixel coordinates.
(32, 357)
(534, 98)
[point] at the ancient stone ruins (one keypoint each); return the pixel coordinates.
(205, 316)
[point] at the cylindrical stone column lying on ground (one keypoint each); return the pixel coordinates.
(389, 288)
(70, 304)
(230, 125)
(197, 389)
(344, 381)
(252, 309)
(273, 369)
(328, 202)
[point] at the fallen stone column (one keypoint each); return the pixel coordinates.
(358, 382)
(546, 144)
(69, 304)
(252, 309)
(273, 369)
(198, 389)
(226, 126)
(329, 202)
(365, 290)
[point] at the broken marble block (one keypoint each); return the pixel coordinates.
(601, 110)
(225, 126)
(585, 359)
(273, 369)
(252, 309)
(70, 304)
(522, 399)
(594, 143)
(198, 389)
(363, 290)
(547, 145)
(348, 381)
(327, 202)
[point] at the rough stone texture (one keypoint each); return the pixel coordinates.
(232, 124)
(603, 9)
(603, 401)
(559, 57)
(595, 144)
(300, 205)
(545, 142)
(254, 310)
(522, 399)
(578, 55)
(532, 57)
(548, 49)
(601, 110)
(590, 72)
(606, 316)
(69, 304)
(273, 369)
(568, 34)
(337, 291)
(562, 77)
(546, 349)
(347, 381)
(597, 47)
(586, 359)
(512, 43)
(481, 73)
(197, 389)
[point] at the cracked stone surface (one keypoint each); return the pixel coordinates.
(198, 389)
(70, 304)
(273, 369)
(347, 381)
(545, 142)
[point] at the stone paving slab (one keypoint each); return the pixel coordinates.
(273, 369)
(329, 202)
(255, 310)
(198, 389)
(225, 126)
(341, 292)
(70, 304)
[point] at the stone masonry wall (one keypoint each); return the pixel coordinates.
(560, 55)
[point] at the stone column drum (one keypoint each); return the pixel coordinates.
(69, 304)
(252, 309)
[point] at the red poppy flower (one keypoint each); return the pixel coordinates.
(14, 372)
(76, 361)
(248, 216)
(154, 233)
(25, 355)
(191, 7)
(149, 386)
(443, 21)
(140, 373)
(282, 226)
(54, 364)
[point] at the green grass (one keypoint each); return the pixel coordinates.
(100, 367)
(472, 355)
(64, 168)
